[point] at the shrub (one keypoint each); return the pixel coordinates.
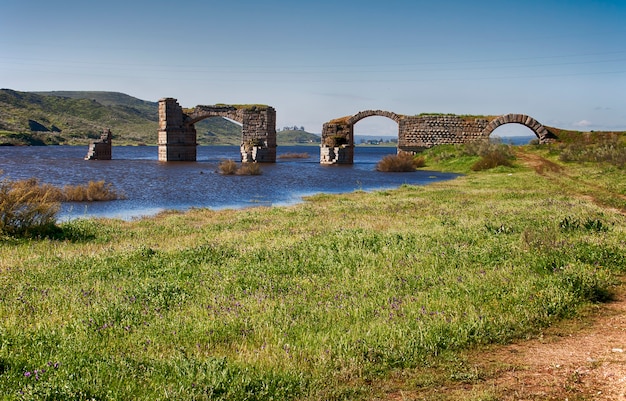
(493, 153)
(491, 160)
(403, 162)
(27, 207)
(227, 167)
(249, 169)
(93, 191)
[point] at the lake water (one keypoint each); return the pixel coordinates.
(151, 186)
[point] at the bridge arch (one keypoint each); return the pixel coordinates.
(370, 113)
(177, 133)
(535, 126)
(338, 136)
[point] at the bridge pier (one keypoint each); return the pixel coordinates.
(177, 140)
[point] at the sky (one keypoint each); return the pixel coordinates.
(562, 62)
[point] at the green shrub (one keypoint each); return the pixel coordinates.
(493, 153)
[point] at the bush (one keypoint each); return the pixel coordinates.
(493, 153)
(403, 162)
(492, 160)
(27, 207)
(229, 167)
(93, 191)
(249, 169)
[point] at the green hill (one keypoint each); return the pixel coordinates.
(297, 137)
(75, 118)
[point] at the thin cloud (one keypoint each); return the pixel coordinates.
(583, 123)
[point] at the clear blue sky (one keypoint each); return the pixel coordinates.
(562, 62)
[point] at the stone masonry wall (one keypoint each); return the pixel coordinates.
(422, 132)
(177, 141)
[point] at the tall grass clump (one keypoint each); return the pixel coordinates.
(92, 191)
(229, 167)
(403, 162)
(609, 149)
(493, 153)
(26, 206)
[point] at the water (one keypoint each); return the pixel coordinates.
(151, 186)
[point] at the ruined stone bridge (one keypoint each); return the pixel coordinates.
(177, 134)
(416, 133)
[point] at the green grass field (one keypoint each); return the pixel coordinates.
(331, 299)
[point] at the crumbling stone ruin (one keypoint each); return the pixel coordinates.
(100, 149)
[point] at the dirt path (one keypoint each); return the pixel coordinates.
(580, 359)
(571, 362)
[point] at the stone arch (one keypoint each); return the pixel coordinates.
(200, 113)
(177, 133)
(541, 131)
(369, 113)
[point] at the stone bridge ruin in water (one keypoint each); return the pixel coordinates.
(416, 133)
(177, 133)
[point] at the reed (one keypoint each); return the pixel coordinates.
(403, 162)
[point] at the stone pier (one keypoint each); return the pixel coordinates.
(100, 149)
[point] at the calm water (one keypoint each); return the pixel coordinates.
(151, 186)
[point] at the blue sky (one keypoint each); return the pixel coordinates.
(562, 62)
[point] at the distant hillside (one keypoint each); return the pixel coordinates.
(75, 118)
(296, 137)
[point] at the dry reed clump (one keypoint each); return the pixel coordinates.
(400, 163)
(229, 167)
(26, 206)
(92, 191)
(291, 155)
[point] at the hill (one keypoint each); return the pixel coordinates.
(297, 137)
(75, 118)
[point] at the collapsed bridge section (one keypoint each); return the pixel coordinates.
(177, 133)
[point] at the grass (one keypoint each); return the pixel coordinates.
(332, 299)
(293, 155)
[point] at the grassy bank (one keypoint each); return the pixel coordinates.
(335, 298)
